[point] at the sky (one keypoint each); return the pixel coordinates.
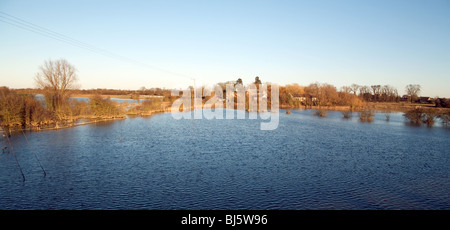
(167, 43)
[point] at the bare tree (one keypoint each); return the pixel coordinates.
(355, 88)
(56, 78)
(413, 91)
(364, 93)
(388, 93)
(346, 89)
(376, 91)
(142, 90)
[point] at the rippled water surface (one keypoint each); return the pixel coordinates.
(163, 163)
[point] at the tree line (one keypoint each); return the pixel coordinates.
(57, 81)
(323, 94)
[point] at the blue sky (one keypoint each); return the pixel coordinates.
(395, 42)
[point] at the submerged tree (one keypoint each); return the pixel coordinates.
(366, 115)
(320, 112)
(445, 118)
(347, 114)
(418, 116)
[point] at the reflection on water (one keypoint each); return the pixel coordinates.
(162, 163)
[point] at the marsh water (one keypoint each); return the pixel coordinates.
(158, 162)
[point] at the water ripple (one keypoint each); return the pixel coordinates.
(162, 163)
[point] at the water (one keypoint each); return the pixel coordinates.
(40, 97)
(162, 163)
(118, 100)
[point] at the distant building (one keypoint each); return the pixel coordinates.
(303, 97)
(424, 100)
(405, 98)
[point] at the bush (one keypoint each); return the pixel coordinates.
(22, 110)
(11, 107)
(445, 118)
(347, 114)
(442, 102)
(80, 108)
(366, 115)
(151, 105)
(429, 116)
(418, 116)
(34, 113)
(415, 116)
(104, 107)
(320, 112)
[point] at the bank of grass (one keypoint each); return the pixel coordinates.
(124, 96)
(25, 112)
(397, 106)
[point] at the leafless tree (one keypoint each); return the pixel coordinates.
(56, 78)
(388, 93)
(413, 91)
(142, 90)
(346, 89)
(354, 88)
(376, 91)
(364, 93)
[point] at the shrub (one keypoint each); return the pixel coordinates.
(320, 112)
(418, 116)
(445, 118)
(442, 102)
(34, 113)
(11, 107)
(347, 114)
(151, 105)
(415, 116)
(104, 107)
(22, 110)
(429, 115)
(366, 115)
